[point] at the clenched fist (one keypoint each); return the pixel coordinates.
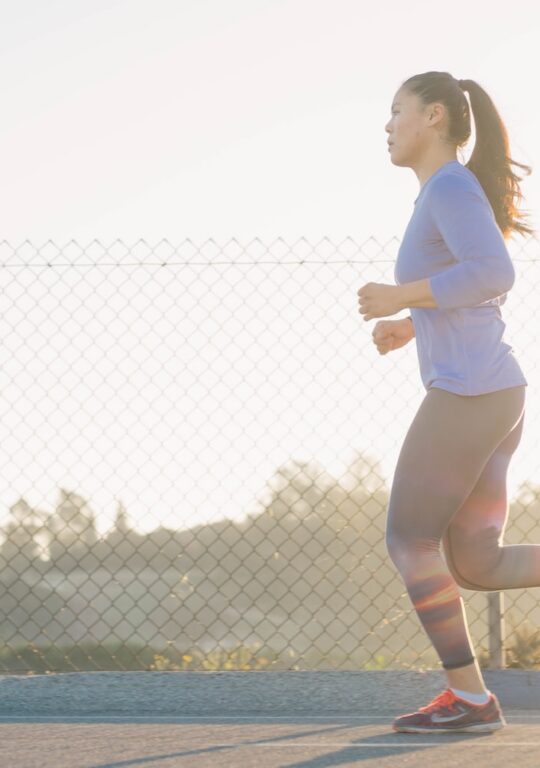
(392, 334)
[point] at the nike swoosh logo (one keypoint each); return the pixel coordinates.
(438, 719)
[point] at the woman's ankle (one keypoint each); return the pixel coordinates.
(467, 678)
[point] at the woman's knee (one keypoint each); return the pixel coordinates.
(405, 550)
(397, 547)
(473, 581)
(393, 547)
(472, 559)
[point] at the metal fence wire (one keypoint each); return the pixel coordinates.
(197, 445)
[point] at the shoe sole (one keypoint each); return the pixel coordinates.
(472, 728)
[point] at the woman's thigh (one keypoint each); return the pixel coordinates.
(445, 451)
(472, 540)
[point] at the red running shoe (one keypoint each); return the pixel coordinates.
(448, 713)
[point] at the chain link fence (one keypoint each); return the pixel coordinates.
(197, 446)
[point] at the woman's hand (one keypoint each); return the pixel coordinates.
(379, 300)
(392, 334)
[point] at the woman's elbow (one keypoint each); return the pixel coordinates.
(502, 278)
(495, 285)
(508, 278)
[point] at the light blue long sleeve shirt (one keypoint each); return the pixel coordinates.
(453, 238)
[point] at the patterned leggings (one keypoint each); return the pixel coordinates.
(449, 486)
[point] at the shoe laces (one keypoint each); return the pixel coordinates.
(444, 699)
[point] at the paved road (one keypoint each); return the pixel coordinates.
(258, 742)
(304, 719)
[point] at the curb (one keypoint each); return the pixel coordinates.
(246, 692)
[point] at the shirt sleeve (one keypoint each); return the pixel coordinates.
(466, 222)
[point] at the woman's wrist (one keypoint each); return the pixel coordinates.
(417, 294)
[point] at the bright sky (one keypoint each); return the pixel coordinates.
(206, 119)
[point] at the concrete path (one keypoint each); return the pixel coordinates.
(312, 719)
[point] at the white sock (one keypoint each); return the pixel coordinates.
(474, 698)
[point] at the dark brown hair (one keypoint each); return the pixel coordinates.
(490, 161)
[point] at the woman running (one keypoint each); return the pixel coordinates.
(453, 271)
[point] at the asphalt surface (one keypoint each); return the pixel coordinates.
(259, 719)
(260, 742)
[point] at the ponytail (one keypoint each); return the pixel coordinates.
(490, 160)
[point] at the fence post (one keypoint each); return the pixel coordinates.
(497, 657)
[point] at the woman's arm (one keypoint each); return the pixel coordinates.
(468, 227)
(417, 294)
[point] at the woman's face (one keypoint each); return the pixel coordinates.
(410, 128)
